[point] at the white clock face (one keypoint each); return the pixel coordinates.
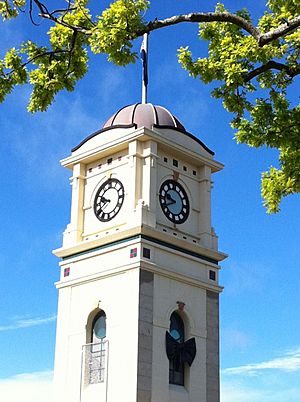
(174, 201)
(109, 200)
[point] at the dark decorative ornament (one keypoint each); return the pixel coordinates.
(174, 201)
(109, 200)
(180, 305)
(180, 352)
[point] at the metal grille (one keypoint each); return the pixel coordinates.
(95, 355)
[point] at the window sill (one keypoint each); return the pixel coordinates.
(179, 389)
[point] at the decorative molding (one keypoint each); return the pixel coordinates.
(143, 237)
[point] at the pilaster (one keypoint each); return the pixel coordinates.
(212, 347)
(149, 183)
(205, 206)
(145, 345)
(73, 232)
(135, 183)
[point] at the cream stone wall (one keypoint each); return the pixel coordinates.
(166, 293)
(138, 293)
(196, 180)
(118, 296)
(96, 174)
(138, 160)
(109, 278)
(107, 261)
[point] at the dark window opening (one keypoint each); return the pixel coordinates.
(146, 253)
(175, 162)
(165, 160)
(176, 368)
(99, 327)
(212, 275)
(109, 161)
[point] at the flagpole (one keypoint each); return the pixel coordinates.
(144, 53)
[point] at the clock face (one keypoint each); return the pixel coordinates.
(174, 201)
(109, 200)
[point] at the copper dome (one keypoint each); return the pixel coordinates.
(144, 115)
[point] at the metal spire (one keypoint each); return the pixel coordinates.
(144, 57)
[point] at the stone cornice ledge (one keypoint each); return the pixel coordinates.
(142, 134)
(149, 234)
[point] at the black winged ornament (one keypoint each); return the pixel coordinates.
(180, 352)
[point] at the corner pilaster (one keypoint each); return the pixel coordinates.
(149, 185)
(212, 347)
(73, 232)
(205, 206)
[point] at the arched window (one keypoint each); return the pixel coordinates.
(99, 327)
(176, 367)
(95, 351)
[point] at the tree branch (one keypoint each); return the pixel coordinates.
(271, 65)
(63, 10)
(279, 32)
(262, 39)
(8, 10)
(49, 53)
(72, 47)
(203, 17)
(31, 14)
(42, 8)
(58, 21)
(45, 13)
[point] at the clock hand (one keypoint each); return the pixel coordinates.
(169, 200)
(104, 200)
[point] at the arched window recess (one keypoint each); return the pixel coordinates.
(96, 350)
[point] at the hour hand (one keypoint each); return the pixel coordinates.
(104, 201)
(169, 200)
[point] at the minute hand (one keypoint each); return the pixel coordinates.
(169, 200)
(104, 201)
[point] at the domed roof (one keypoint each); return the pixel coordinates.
(144, 115)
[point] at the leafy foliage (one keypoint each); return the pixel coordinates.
(254, 67)
(10, 9)
(115, 30)
(267, 119)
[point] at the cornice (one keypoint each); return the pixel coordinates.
(143, 233)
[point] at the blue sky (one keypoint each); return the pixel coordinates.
(260, 319)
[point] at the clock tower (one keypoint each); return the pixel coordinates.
(138, 317)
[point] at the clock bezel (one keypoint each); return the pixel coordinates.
(99, 213)
(183, 215)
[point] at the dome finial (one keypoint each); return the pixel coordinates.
(144, 57)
